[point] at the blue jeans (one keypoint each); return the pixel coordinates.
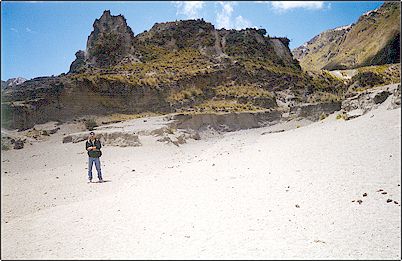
(91, 161)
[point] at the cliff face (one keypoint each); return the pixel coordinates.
(372, 40)
(174, 67)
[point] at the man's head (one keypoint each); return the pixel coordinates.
(92, 135)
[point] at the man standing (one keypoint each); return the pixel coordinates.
(93, 147)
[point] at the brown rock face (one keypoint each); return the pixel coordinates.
(110, 42)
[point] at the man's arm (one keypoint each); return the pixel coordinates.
(88, 146)
(98, 145)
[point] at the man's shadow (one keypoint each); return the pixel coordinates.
(104, 181)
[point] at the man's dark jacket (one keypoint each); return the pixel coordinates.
(94, 153)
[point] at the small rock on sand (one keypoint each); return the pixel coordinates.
(384, 192)
(18, 144)
(389, 200)
(359, 201)
(364, 194)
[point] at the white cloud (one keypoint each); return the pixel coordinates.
(14, 30)
(241, 23)
(224, 17)
(29, 30)
(287, 5)
(189, 8)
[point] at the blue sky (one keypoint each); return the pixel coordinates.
(41, 38)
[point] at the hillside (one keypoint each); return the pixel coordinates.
(182, 66)
(373, 40)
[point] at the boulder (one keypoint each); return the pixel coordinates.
(195, 136)
(354, 114)
(18, 144)
(67, 139)
(53, 131)
(380, 97)
(181, 139)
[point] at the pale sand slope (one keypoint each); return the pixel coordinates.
(179, 205)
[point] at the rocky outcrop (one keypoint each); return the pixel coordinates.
(111, 41)
(120, 139)
(219, 44)
(315, 111)
(18, 144)
(396, 98)
(9, 142)
(225, 121)
(181, 34)
(79, 63)
(358, 104)
(112, 138)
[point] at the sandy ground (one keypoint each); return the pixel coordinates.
(241, 195)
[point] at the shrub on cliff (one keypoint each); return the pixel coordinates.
(367, 79)
(90, 124)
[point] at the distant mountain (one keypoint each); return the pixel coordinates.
(12, 82)
(373, 40)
